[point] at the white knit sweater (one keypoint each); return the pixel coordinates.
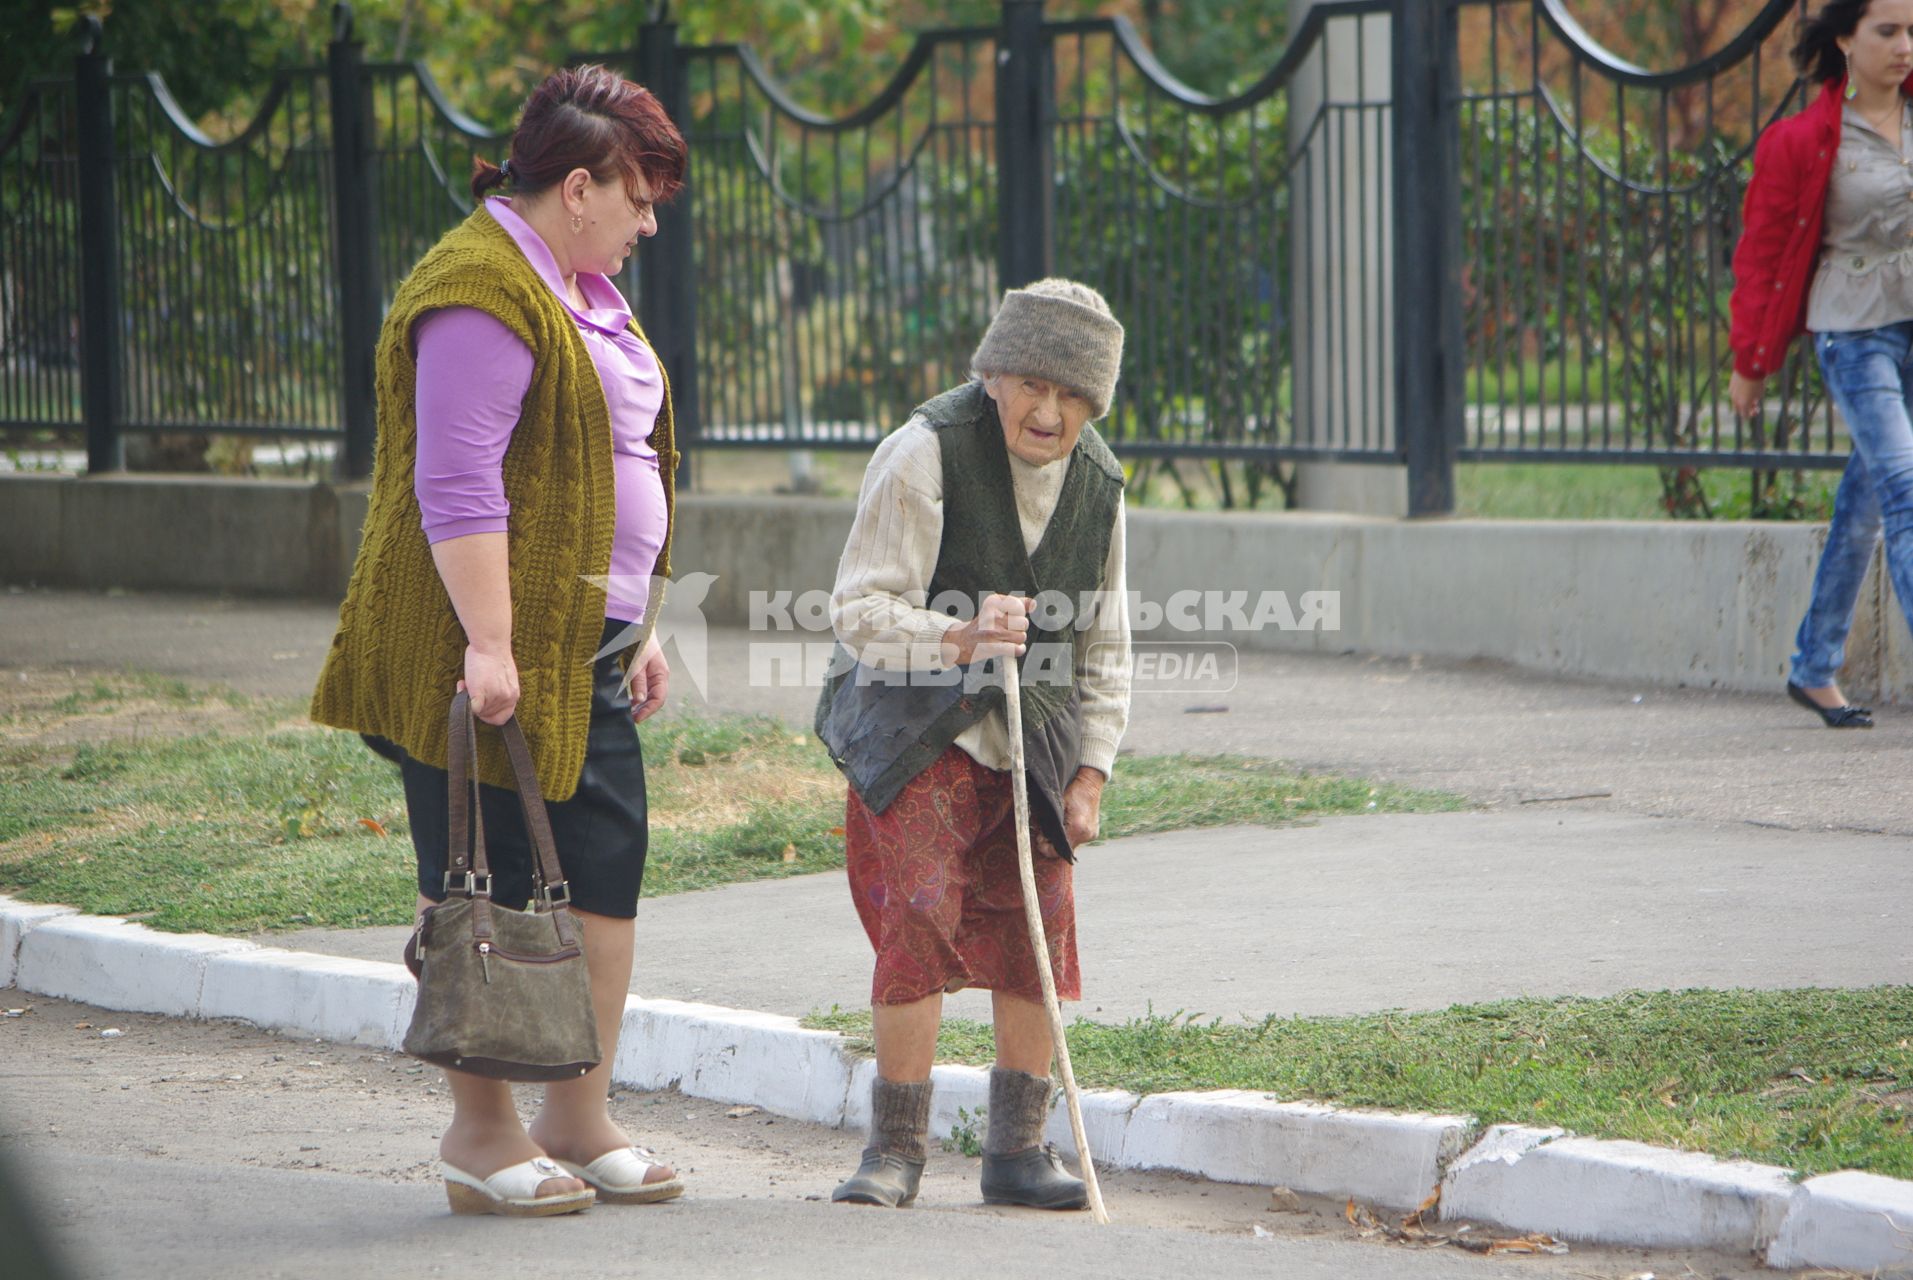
(883, 582)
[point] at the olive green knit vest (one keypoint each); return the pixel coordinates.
(399, 651)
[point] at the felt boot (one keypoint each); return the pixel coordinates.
(1018, 1168)
(899, 1142)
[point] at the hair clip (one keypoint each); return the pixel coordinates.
(504, 170)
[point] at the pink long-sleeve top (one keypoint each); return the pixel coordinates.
(473, 373)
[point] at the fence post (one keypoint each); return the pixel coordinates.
(1430, 361)
(667, 297)
(1025, 190)
(102, 372)
(354, 243)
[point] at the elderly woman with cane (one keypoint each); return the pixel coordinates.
(524, 458)
(990, 527)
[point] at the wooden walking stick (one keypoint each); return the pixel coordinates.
(1033, 912)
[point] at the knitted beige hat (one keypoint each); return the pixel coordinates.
(1059, 330)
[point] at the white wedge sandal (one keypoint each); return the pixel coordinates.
(619, 1177)
(512, 1192)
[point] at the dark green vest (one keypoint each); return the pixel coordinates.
(884, 728)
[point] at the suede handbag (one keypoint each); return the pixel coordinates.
(501, 993)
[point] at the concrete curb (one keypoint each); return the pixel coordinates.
(1521, 1178)
(1855, 1221)
(1615, 1192)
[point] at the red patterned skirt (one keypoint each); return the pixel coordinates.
(935, 881)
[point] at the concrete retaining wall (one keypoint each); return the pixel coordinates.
(1704, 604)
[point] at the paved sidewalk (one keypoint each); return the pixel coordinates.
(1502, 736)
(1730, 840)
(1356, 914)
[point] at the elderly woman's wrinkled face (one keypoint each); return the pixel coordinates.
(1041, 419)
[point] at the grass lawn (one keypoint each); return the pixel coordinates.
(1518, 491)
(259, 820)
(1568, 491)
(1813, 1081)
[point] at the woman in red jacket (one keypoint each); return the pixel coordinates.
(1828, 248)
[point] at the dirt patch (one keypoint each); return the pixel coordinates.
(724, 793)
(55, 709)
(102, 822)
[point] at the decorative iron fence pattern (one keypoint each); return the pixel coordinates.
(845, 268)
(1600, 209)
(39, 261)
(1432, 231)
(226, 293)
(422, 148)
(1237, 239)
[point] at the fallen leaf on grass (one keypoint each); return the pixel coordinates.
(373, 825)
(837, 831)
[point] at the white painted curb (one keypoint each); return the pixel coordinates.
(1236, 1136)
(1525, 1179)
(732, 1055)
(1854, 1221)
(332, 997)
(1615, 1192)
(106, 961)
(15, 919)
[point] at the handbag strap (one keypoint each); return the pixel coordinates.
(469, 869)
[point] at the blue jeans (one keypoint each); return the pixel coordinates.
(1869, 373)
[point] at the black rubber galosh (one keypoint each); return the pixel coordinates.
(884, 1178)
(1034, 1178)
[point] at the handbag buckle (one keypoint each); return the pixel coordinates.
(468, 884)
(555, 895)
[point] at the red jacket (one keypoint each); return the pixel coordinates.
(1783, 221)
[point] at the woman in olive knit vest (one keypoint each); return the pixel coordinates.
(990, 525)
(524, 457)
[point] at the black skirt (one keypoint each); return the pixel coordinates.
(602, 831)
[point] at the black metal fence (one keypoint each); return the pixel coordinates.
(1600, 205)
(1434, 230)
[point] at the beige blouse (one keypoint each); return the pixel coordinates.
(1865, 279)
(877, 606)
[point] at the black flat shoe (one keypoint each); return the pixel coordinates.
(1842, 717)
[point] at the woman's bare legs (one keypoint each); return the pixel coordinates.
(576, 1123)
(485, 1134)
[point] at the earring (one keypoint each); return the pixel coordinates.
(577, 224)
(1853, 90)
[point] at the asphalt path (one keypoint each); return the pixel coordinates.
(1354, 915)
(183, 1150)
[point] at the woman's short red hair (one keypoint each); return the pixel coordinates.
(594, 119)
